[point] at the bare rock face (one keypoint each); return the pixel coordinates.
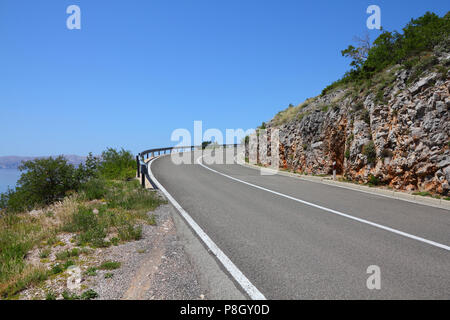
(399, 135)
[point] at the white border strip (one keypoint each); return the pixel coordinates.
(240, 278)
(376, 225)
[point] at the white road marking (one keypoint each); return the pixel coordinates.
(344, 187)
(240, 278)
(404, 234)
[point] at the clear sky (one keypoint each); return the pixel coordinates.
(137, 70)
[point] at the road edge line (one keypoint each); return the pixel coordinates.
(350, 187)
(237, 275)
(373, 224)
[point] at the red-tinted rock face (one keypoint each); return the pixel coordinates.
(401, 138)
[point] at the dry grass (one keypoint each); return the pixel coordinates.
(94, 223)
(291, 113)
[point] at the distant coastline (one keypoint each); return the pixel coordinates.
(8, 179)
(13, 162)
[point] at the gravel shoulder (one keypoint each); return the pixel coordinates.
(153, 268)
(168, 263)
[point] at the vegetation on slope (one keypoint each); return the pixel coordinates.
(420, 36)
(97, 202)
(374, 65)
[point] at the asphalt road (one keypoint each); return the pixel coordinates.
(292, 250)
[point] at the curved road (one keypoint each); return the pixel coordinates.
(288, 238)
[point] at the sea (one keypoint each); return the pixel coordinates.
(8, 178)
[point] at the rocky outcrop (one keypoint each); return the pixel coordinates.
(396, 131)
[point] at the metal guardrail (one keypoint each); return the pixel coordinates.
(142, 171)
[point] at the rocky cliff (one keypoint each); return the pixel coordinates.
(393, 129)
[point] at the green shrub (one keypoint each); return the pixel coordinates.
(94, 237)
(422, 193)
(63, 255)
(94, 189)
(110, 265)
(390, 48)
(89, 294)
(379, 97)
(91, 228)
(370, 152)
(67, 264)
(91, 271)
(115, 241)
(373, 180)
(128, 231)
(50, 296)
(42, 182)
(82, 220)
(70, 296)
(47, 180)
(347, 154)
(31, 278)
(134, 198)
(57, 268)
(117, 164)
(14, 246)
(89, 170)
(44, 253)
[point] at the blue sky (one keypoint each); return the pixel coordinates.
(137, 70)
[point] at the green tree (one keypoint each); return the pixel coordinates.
(89, 169)
(117, 164)
(42, 182)
(419, 35)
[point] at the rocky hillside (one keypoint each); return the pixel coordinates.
(392, 129)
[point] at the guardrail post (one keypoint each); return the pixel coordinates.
(138, 166)
(143, 178)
